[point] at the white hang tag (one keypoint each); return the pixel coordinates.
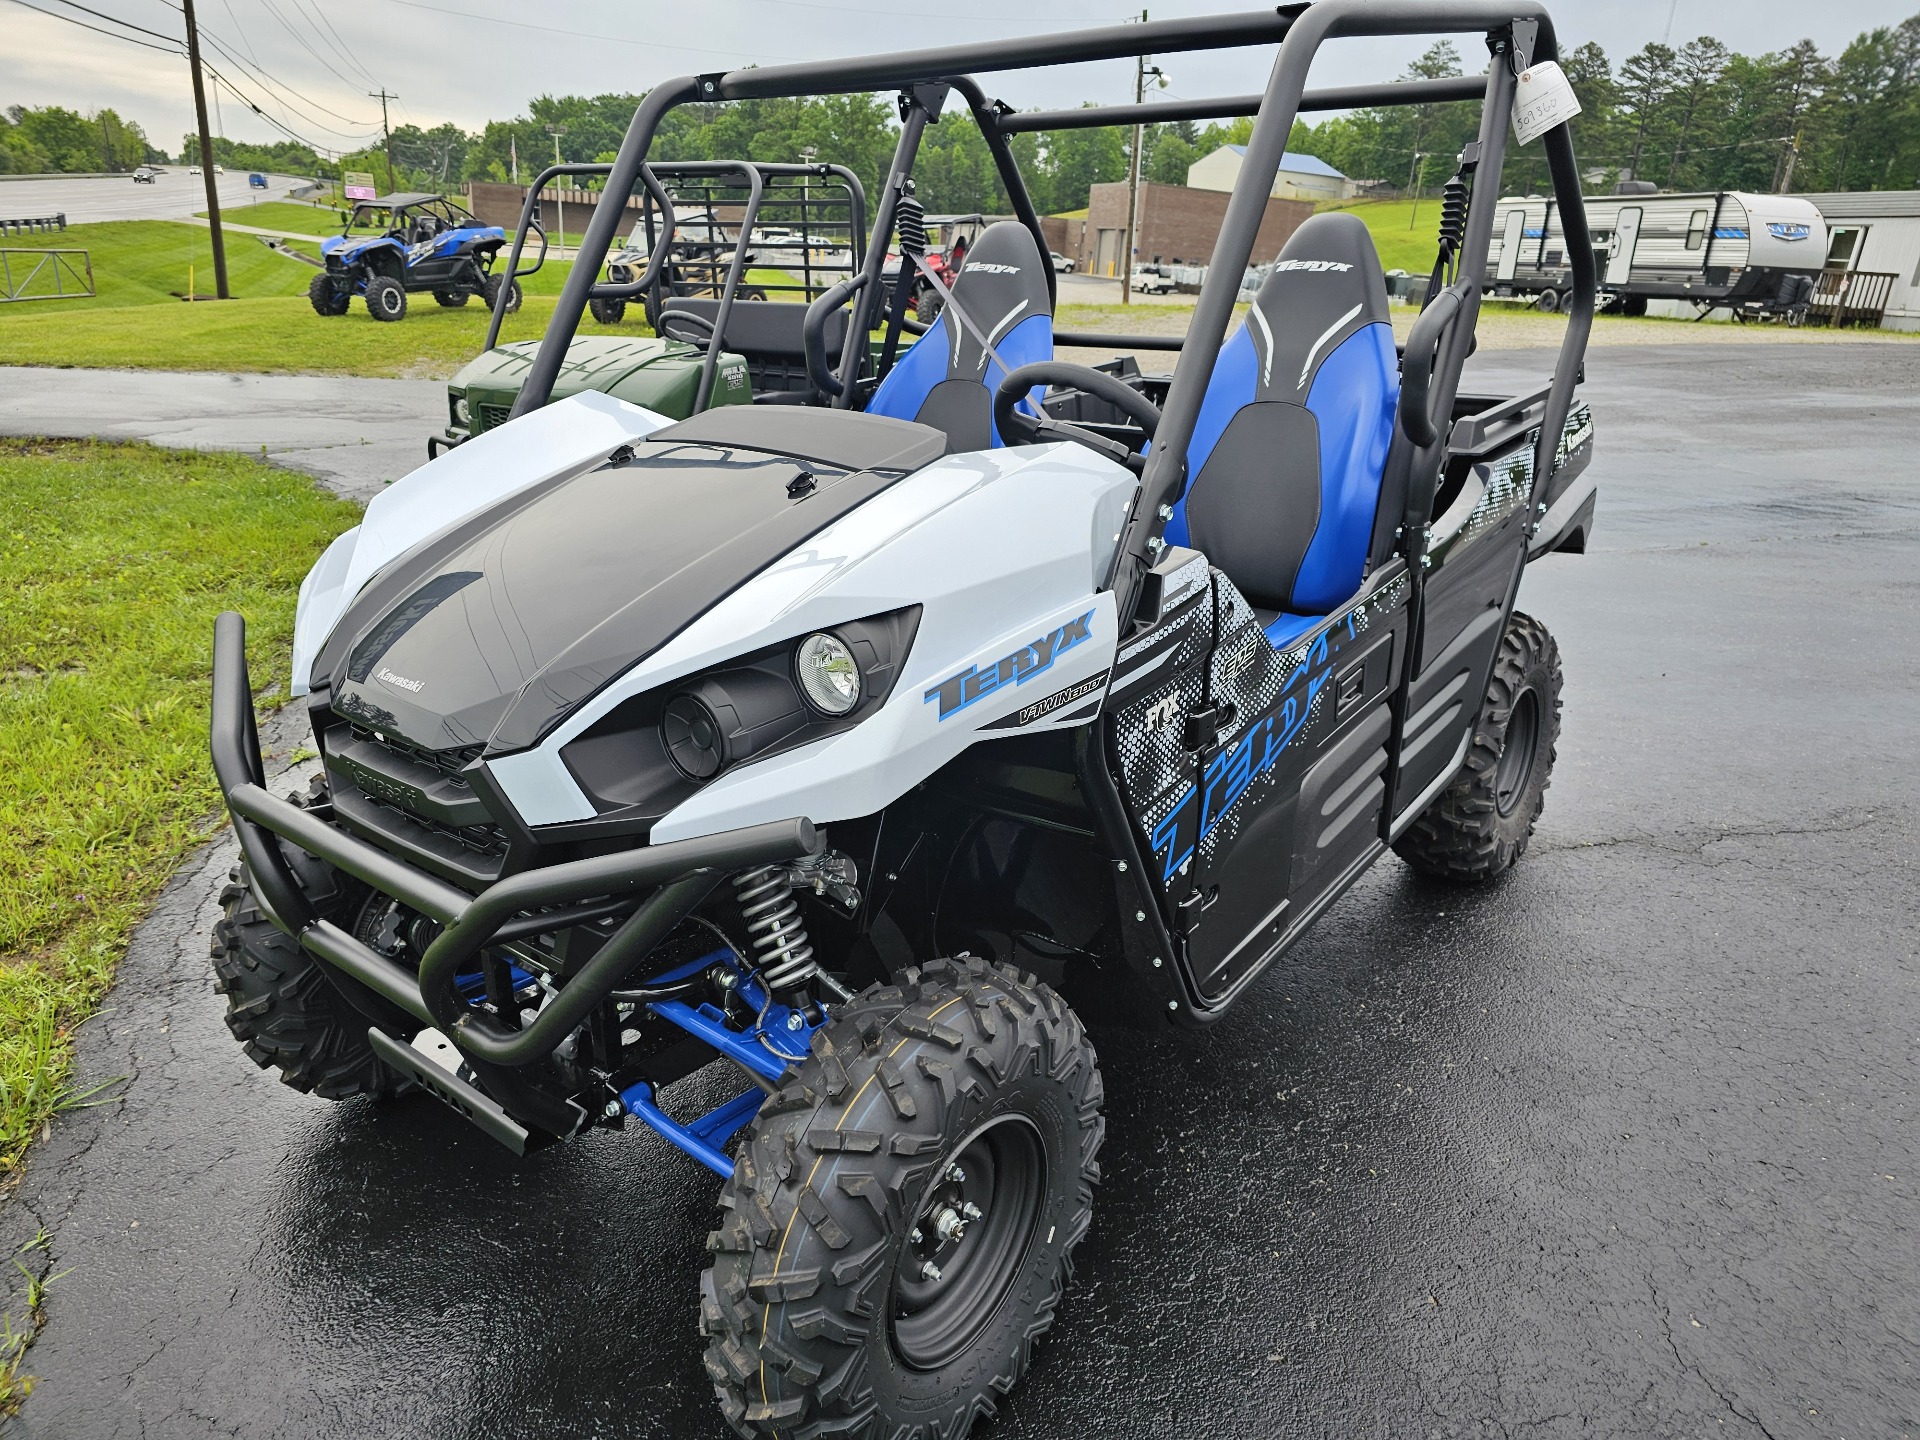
(1542, 99)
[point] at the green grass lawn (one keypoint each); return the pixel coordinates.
(116, 560)
(134, 322)
(1404, 231)
(141, 262)
(296, 218)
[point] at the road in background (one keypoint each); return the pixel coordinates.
(354, 435)
(1622, 1144)
(175, 195)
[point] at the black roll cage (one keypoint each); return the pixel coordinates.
(1518, 32)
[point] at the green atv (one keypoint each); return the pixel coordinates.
(719, 341)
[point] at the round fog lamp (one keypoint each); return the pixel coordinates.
(461, 414)
(828, 675)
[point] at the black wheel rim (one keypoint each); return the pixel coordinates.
(950, 1281)
(1516, 756)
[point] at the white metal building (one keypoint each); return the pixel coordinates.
(1874, 233)
(1301, 177)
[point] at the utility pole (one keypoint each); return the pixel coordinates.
(559, 190)
(1141, 69)
(1793, 155)
(1416, 172)
(386, 130)
(206, 156)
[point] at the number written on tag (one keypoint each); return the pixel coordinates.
(1542, 99)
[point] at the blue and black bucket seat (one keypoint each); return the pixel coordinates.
(948, 378)
(1291, 442)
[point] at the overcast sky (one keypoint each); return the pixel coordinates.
(446, 63)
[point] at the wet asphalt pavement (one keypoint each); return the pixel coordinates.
(1624, 1144)
(353, 435)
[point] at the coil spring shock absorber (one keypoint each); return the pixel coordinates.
(775, 932)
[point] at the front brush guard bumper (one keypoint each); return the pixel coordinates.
(680, 874)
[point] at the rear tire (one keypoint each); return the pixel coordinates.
(821, 1313)
(926, 305)
(1479, 825)
(326, 297)
(1547, 301)
(607, 312)
(490, 292)
(452, 299)
(386, 298)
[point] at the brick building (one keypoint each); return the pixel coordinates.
(496, 204)
(1177, 226)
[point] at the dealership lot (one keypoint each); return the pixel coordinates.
(1625, 1145)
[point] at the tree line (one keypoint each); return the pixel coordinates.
(52, 140)
(1693, 117)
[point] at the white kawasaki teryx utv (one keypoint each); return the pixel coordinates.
(856, 745)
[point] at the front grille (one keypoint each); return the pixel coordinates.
(414, 797)
(485, 417)
(487, 840)
(448, 762)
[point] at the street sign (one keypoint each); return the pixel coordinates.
(359, 185)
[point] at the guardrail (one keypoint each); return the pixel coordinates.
(45, 275)
(34, 225)
(1855, 297)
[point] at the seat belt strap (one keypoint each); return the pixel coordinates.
(966, 323)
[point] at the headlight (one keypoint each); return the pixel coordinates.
(653, 750)
(829, 678)
(461, 415)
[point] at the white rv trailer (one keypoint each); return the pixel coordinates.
(1749, 253)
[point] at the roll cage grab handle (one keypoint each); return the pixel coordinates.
(1518, 33)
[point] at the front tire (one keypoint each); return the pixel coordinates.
(386, 298)
(284, 1012)
(326, 297)
(902, 1216)
(1479, 825)
(607, 312)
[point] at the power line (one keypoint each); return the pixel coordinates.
(112, 19)
(335, 43)
(173, 49)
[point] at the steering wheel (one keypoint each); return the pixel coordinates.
(670, 319)
(1019, 429)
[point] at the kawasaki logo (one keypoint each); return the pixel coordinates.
(957, 692)
(1315, 265)
(392, 679)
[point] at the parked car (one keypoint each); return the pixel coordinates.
(1152, 280)
(1061, 264)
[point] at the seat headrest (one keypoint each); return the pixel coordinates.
(1002, 282)
(1325, 285)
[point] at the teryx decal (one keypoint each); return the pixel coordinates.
(957, 692)
(1232, 772)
